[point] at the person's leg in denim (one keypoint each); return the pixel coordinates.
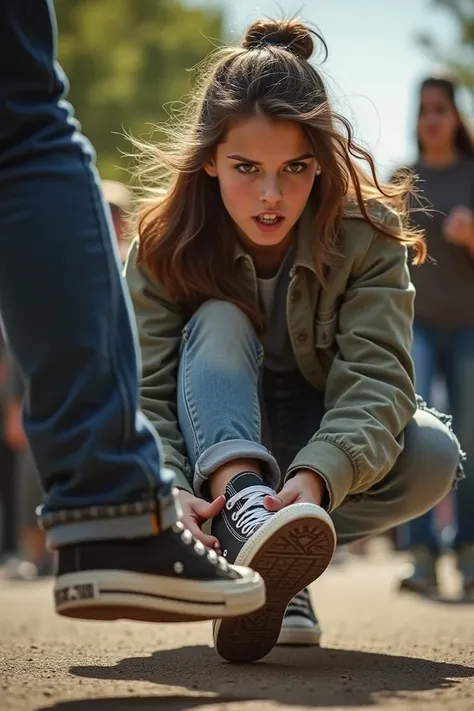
(61, 296)
(220, 417)
(69, 325)
(459, 368)
(236, 420)
(232, 422)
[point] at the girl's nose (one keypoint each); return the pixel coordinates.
(270, 191)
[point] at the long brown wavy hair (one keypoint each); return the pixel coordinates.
(186, 237)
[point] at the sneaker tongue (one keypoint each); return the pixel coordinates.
(240, 482)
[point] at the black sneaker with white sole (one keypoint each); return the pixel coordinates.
(290, 549)
(300, 626)
(167, 577)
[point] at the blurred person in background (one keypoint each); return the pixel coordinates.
(34, 560)
(444, 311)
(118, 197)
(7, 463)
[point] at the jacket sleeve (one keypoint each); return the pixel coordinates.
(370, 396)
(159, 323)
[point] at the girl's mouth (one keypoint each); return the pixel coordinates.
(268, 221)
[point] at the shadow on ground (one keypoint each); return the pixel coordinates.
(139, 703)
(293, 677)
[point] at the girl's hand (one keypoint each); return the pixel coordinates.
(306, 486)
(458, 227)
(196, 512)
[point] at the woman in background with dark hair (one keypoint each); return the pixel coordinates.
(444, 309)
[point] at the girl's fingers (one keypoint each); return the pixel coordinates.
(206, 510)
(209, 541)
(273, 503)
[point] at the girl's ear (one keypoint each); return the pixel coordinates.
(210, 167)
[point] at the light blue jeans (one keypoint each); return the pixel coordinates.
(448, 352)
(230, 407)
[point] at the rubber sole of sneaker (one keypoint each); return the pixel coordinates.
(299, 636)
(289, 551)
(118, 594)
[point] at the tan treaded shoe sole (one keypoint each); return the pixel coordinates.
(289, 551)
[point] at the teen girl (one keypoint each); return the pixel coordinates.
(274, 311)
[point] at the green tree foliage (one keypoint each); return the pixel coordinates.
(124, 60)
(461, 57)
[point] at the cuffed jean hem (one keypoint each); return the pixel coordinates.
(98, 523)
(224, 452)
(130, 527)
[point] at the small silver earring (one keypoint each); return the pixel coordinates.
(318, 170)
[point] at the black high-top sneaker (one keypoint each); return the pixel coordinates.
(300, 625)
(290, 549)
(167, 577)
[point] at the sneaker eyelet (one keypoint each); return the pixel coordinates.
(178, 527)
(199, 548)
(187, 537)
(213, 557)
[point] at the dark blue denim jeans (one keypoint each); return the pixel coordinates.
(450, 353)
(63, 303)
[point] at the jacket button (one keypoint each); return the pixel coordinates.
(302, 336)
(296, 295)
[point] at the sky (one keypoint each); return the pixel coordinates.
(374, 64)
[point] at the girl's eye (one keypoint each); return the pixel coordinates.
(246, 168)
(296, 167)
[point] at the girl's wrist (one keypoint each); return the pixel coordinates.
(315, 481)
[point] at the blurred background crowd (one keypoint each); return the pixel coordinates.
(128, 61)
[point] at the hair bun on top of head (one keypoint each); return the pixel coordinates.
(291, 35)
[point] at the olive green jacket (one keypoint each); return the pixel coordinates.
(351, 339)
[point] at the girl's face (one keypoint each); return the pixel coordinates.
(437, 121)
(265, 171)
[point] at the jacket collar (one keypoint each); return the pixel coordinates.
(303, 255)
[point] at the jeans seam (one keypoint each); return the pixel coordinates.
(118, 371)
(191, 410)
(257, 412)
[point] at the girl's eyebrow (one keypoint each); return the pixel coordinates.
(242, 159)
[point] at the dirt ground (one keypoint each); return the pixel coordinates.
(380, 651)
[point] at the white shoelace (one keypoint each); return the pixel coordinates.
(252, 513)
(301, 605)
(301, 602)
